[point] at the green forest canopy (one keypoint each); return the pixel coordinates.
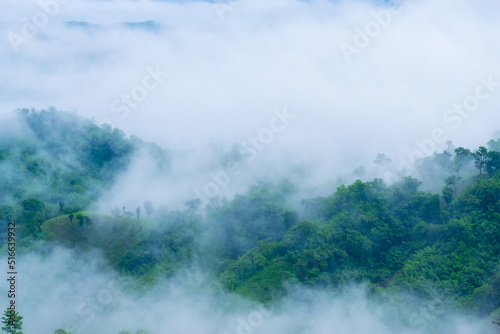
(392, 237)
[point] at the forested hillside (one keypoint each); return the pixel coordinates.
(57, 163)
(395, 238)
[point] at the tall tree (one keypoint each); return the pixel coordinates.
(480, 158)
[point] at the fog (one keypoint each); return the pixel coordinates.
(76, 292)
(239, 92)
(222, 69)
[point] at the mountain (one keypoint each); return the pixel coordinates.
(394, 238)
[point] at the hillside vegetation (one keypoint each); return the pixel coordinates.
(394, 238)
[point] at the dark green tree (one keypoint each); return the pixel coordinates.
(493, 162)
(480, 158)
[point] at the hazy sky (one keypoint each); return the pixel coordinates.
(333, 82)
(358, 78)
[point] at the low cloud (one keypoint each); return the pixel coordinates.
(75, 292)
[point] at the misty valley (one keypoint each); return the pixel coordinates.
(249, 167)
(416, 254)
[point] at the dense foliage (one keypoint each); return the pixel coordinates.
(57, 163)
(392, 237)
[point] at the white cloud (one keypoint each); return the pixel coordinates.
(226, 76)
